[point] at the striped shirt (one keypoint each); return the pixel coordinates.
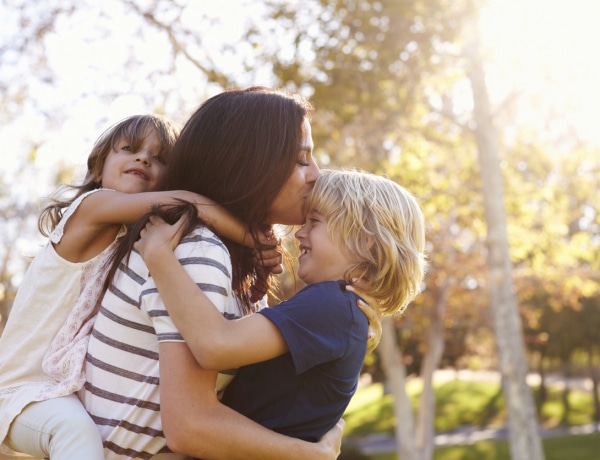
(121, 393)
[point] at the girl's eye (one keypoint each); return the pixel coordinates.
(126, 147)
(160, 159)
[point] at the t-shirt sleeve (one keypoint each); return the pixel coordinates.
(206, 260)
(318, 324)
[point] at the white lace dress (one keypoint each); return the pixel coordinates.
(43, 346)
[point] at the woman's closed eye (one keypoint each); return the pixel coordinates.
(303, 159)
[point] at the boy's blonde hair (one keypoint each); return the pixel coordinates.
(380, 224)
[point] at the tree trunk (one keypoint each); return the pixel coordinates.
(594, 378)
(564, 420)
(435, 348)
(395, 371)
(523, 432)
(543, 390)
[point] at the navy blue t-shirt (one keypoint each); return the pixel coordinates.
(305, 392)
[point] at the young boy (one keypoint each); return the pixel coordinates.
(300, 361)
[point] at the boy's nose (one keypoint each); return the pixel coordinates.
(299, 233)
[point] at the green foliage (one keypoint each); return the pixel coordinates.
(458, 403)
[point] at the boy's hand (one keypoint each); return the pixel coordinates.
(157, 237)
(372, 313)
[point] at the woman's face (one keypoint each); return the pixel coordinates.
(288, 206)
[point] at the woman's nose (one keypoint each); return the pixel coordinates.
(313, 172)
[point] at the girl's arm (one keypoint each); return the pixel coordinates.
(215, 342)
(99, 217)
(108, 207)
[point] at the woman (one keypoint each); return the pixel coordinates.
(251, 151)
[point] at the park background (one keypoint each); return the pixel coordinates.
(486, 110)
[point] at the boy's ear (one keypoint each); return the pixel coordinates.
(370, 241)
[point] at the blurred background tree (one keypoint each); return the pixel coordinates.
(390, 84)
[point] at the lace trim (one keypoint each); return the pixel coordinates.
(65, 358)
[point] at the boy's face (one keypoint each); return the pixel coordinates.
(134, 172)
(321, 258)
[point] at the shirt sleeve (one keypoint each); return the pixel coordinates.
(207, 261)
(318, 324)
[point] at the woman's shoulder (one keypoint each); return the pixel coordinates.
(202, 242)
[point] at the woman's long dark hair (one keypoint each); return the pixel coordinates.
(239, 149)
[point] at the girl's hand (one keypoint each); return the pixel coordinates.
(372, 313)
(268, 260)
(268, 254)
(157, 237)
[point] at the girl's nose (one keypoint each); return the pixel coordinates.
(143, 157)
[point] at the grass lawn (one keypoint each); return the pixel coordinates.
(581, 447)
(460, 403)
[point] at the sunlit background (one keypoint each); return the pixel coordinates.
(70, 69)
(546, 48)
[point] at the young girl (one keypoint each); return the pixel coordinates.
(302, 358)
(43, 347)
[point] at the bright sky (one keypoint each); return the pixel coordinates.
(546, 46)
(549, 47)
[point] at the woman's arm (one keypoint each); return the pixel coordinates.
(372, 313)
(196, 423)
(215, 342)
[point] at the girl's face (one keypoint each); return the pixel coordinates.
(134, 172)
(321, 259)
(288, 206)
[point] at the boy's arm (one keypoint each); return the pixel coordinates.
(196, 423)
(215, 342)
